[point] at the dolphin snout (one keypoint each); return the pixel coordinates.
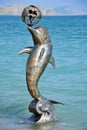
(32, 30)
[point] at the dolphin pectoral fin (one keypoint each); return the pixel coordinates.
(26, 50)
(52, 61)
(56, 102)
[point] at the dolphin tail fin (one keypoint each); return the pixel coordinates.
(26, 50)
(56, 102)
(52, 61)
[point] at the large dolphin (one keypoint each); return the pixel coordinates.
(40, 56)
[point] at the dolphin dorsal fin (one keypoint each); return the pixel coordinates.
(52, 61)
(26, 50)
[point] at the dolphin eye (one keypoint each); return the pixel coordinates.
(38, 31)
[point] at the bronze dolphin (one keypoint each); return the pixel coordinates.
(40, 56)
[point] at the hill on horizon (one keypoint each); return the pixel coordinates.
(68, 10)
(59, 11)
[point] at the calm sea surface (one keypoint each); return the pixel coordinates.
(66, 83)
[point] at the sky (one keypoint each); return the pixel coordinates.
(78, 4)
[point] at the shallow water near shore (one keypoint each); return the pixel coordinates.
(66, 83)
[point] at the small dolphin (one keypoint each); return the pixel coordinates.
(40, 56)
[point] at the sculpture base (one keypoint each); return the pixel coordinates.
(43, 111)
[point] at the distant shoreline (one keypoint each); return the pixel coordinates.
(47, 15)
(16, 10)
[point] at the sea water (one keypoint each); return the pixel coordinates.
(66, 83)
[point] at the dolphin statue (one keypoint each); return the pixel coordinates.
(40, 56)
